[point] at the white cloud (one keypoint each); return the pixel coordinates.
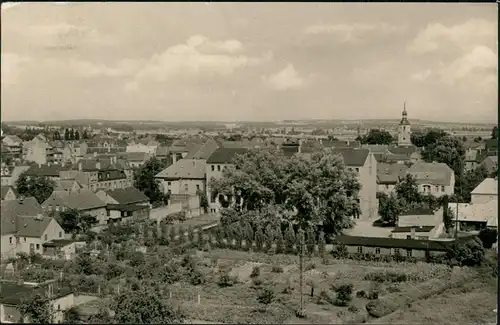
(466, 36)
(288, 78)
(353, 32)
(88, 69)
(481, 59)
(11, 66)
(198, 56)
(422, 75)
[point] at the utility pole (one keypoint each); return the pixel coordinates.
(300, 312)
(456, 223)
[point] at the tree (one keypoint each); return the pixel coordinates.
(270, 236)
(145, 179)
(66, 135)
(280, 243)
(259, 237)
(71, 134)
(85, 135)
(321, 243)
(494, 132)
(37, 186)
(145, 306)
(376, 136)
(468, 253)
(73, 222)
(310, 240)
(407, 189)
(390, 208)
(203, 200)
(72, 316)
(77, 135)
(266, 296)
(290, 238)
(488, 237)
(37, 308)
(446, 150)
(468, 181)
(101, 317)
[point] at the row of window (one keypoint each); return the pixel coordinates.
(219, 168)
(351, 169)
(24, 238)
(427, 188)
(396, 251)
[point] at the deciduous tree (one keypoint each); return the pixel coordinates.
(376, 136)
(37, 186)
(145, 179)
(446, 150)
(37, 308)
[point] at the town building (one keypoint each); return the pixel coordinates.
(490, 163)
(388, 176)
(9, 175)
(8, 193)
(404, 130)
(486, 191)
(127, 204)
(434, 178)
(186, 176)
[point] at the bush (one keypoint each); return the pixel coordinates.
(323, 295)
(345, 288)
(353, 309)
(256, 282)
(255, 272)
(266, 296)
(488, 237)
(373, 295)
(361, 294)
(196, 277)
(310, 266)
(340, 251)
(277, 269)
(344, 295)
(382, 277)
(225, 280)
(393, 288)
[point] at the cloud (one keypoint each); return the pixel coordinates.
(465, 36)
(288, 78)
(353, 32)
(198, 56)
(480, 60)
(11, 65)
(422, 75)
(124, 68)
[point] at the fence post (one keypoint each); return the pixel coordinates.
(170, 294)
(199, 297)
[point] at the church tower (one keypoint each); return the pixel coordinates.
(404, 132)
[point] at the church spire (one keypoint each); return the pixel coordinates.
(404, 120)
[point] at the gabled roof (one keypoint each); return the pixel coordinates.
(13, 138)
(162, 151)
(353, 157)
(80, 200)
(5, 190)
(33, 227)
(46, 170)
(417, 229)
(390, 173)
(11, 210)
(129, 195)
(66, 184)
(475, 212)
(487, 186)
(184, 169)
(403, 150)
(134, 156)
(225, 155)
(204, 151)
(431, 173)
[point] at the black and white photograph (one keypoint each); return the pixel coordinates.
(249, 163)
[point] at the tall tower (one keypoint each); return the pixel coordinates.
(404, 132)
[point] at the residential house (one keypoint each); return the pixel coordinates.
(14, 145)
(60, 152)
(364, 165)
(162, 154)
(491, 147)
(13, 294)
(434, 178)
(10, 175)
(125, 204)
(84, 201)
(341, 144)
(291, 147)
(95, 174)
(490, 164)
(416, 248)
(186, 176)
(135, 159)
(405, 154)
(220, 159)
(8, 193)
(486, 191)
(68, 185)
(149, 148)
(204, 151)
(61, 248)
(182, 147)
(49, 171)
(475, 216)
(471, 159)
(25, 227)
(74, 151)
(38, 151)
(389, 175)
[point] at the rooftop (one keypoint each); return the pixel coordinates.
(487, 186)
(225, 155)
(185, 169)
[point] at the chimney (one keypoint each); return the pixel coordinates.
(80, 166)
(412, 233)
(95, 153)
(39, 165)
(98, 165)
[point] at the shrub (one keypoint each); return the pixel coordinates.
(277, 269)
(255, 272)
(326, 297)
(488, 237)
(344, 295)
(288, 289)
(382, 277)
(393, 288)
(310, 266)
(256, 282)
(266, 296)
(361, 294)
(373, 295)
(353, 309)
(196, 277)
(345, 288)
(340, 251)
(225, 280)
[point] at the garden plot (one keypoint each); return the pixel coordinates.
(243, 272)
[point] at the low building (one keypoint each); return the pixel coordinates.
(490, 164)
(475, 216)
(420, 224)
(84, 201)
(25, 227)
(61, 248)
(417, 232)
(8, 193)
(486, 191)
(128, 204)
(434, 178)
(186, 176)
(67, 185)
(10, 175)
(50, 171)
(135, 159)
(388, 176)
(13, 294)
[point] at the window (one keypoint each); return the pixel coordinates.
(442, 188)
(57, 208)
(396, 251)
(60, 234)
(169, 183)
(218, 168)
(186, 187)
(357, 169)
(37, 246)
(386, 186)
(24, 239)
(408, 252)
(437, 188)
(377, 250)
(360, 249)
(45, 237)
(349, 169)
(197, 187)
(213, 167)
(408, 236)
(108, 213)
(58, 307)
(10, 240)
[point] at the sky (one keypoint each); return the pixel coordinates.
(249, 61)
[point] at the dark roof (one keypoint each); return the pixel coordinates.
(5, 190)
(46, 170)
(403, 150)
(339, 144)
(491, 144)
(126, 207)
(59, 242)
(353, 157)
(225, 155)
(81, 200)
(417, 229)
(32, 226)
(127, 195)
(13, 294)
(204, 151)
(383, 242)
(11, 210)
(289, 151)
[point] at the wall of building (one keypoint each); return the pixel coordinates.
(160, 213)
(10, 195)
(386, 251)
(367, 176)
(183, 186)
(386, 188)
(482, 198)
(8, 247)
(214, 171)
